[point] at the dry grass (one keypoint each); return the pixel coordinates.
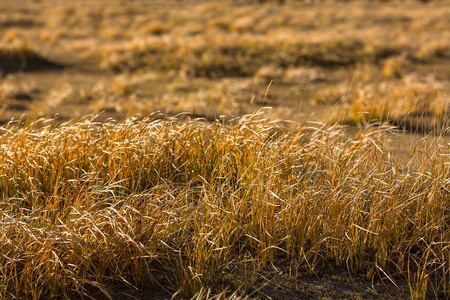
(223, 207)
(378, 48)
(421, 101)
(231, 40)
(91, 206)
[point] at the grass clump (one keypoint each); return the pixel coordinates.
(89, 207)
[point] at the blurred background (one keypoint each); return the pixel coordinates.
(349, 62)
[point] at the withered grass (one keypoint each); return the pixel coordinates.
(197, 207)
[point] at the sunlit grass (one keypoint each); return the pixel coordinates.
(89, 206)
(200, 208)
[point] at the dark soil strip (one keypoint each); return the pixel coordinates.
(25, 61)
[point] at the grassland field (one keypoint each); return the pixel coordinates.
(224, 149)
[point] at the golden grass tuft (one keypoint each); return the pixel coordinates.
(156, 28)
(395, 67)
(87, 207)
